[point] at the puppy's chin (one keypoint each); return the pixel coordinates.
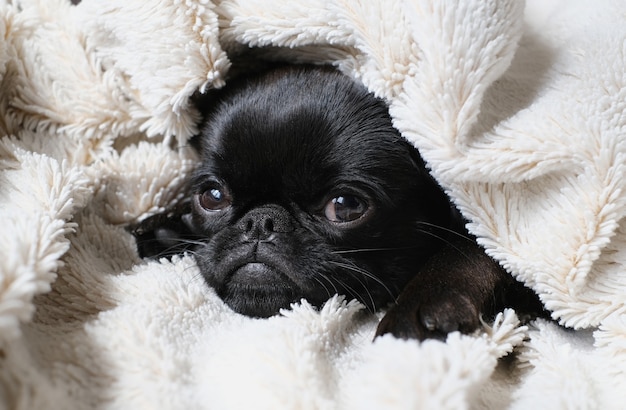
(259, 277)
(257, 304)
(257, 289)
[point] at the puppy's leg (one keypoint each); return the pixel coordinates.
(450, 293)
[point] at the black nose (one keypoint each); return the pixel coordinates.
(263, 222)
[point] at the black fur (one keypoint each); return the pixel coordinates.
(276, 149)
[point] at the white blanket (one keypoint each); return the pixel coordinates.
(519, 110)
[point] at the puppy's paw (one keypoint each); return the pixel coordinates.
(430, 318)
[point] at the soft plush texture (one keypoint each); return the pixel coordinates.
(519, 110)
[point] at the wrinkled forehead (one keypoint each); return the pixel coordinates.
(273, 147)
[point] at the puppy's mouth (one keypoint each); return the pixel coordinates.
(255, 274)
(258, 274)
(258, 289)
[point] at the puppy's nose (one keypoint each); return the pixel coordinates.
(263, 222)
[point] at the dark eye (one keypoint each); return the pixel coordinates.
(345, 208)
(215, 198)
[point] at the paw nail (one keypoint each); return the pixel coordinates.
(430, 324)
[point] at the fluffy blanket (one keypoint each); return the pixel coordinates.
(518, 109)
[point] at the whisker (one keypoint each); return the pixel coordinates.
(197, 277)
(178, 247)
(349, 251)
(353, 293)
(324, 286)
(179, 244)
(444, 229)
(456, 248)
(369, 294)
(180, 240)
(182, 146)
(354, 268)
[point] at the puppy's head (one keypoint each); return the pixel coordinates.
(305, 190)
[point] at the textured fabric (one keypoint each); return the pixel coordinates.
(519, 110)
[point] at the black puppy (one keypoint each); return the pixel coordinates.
(305, 190)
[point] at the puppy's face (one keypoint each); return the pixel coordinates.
(306, 190)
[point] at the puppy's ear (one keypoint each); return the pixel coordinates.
(417, 159)
(242, 68)
(438, 206)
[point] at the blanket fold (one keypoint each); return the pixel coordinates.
(518, 109)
